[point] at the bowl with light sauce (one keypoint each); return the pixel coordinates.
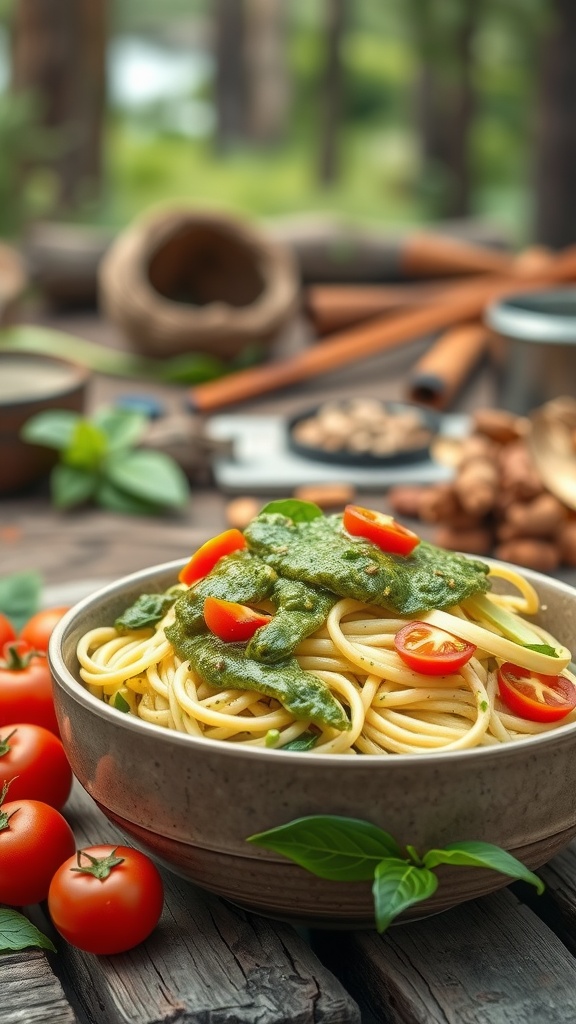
(31, 383)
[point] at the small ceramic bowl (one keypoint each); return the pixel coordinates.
(191, 803)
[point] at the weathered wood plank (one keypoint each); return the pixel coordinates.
(29, 991)
(491, 961)
(206, 963)
(559, 903)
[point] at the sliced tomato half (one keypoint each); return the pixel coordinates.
(431, 650)
(232, 622)
(381, 529)
(204, 559)
(535, 696)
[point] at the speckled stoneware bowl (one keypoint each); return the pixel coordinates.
(191, 803)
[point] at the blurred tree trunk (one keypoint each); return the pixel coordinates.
(231, 86)
(59, 54)
(555, 184)
(445, 101)
(268, 89)
(332, 91)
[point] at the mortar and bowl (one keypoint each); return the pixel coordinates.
(192, 802)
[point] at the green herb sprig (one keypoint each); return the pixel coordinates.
(17, 932)
(352, 850)
(100, 462)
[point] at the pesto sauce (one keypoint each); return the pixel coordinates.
(321, 553)
(225, 664)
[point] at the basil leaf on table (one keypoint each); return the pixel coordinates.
(71, 485)
(339, 849)
(122, 428)
(115, 499)
(398, 884)
(17, 932)
(53, 428)
(148, 475)
(474, 853)
(352, 850)
(88, 446)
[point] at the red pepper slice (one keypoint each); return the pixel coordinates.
(537, 697)
(379, 528)
(431, 650)
(232, 622)
(204, 559)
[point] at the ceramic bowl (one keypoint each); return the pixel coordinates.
(191, 803)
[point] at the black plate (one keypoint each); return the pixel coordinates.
(429, 419)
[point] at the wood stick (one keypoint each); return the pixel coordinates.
(439, 375)
(333, 307)
(379, 335)
(429, 255)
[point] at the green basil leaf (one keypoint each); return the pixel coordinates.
(20, 594)
(292, 508)
(87, 447)
(305, 741)
(120, 703)
(333, 847)
(147, 610)
(148, 475)
(71, 485)
(397, 886)
(53, 428)
(17, 932)
(192, 368)
(117, 500)
(474, 853)
(552, 652)
(122, 427)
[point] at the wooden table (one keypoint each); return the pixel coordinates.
(509, 957)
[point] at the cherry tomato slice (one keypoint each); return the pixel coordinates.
(381, 529)
(204, 559)
(234, 623)
(534, 696)
(431, 650)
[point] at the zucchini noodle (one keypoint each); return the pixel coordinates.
(391, 708)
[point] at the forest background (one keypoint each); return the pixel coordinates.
(391, 113)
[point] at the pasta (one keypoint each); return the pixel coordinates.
(391, 709)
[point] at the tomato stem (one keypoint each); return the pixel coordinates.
(99, 867)
(5, 743)
(18, 655)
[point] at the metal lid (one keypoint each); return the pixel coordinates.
(547, 316)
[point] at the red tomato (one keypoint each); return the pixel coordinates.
(537, 697)
(234, 623)
(111, 904)
(381, 529)
(204, 559)
(7, 632)
(36, 632)
(431, 650)
(26, 688)
(34, 841)
(33, 761)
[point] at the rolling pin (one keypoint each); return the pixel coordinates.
(444, 368)
(379, 335)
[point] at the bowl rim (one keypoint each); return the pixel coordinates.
(75, 689)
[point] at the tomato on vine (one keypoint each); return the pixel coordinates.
(106, 899)
(26, 688)
(35, 839)
(33, 762)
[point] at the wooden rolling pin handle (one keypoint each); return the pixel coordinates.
(429, 255)
(443, 370)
